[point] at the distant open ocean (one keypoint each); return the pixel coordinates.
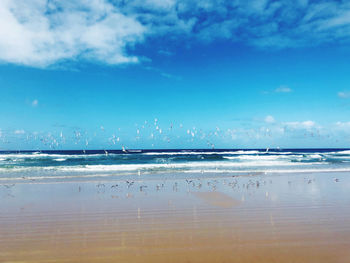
(31, 165)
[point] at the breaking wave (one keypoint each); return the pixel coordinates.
(71, 164)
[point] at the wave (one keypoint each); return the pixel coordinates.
(201, 153)
(16, 165)
(171, 153)
(46, 155)
(347, 152)
(152, 166)
(316, 156)
(262, 157)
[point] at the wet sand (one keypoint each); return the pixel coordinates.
(267, 218)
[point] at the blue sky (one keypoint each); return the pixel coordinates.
(174, 74)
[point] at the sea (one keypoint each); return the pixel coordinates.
(95, 164)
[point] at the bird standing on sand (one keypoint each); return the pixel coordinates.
(8, 186)
(129, 183)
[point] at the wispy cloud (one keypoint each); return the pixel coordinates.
(41, 33)
(269, 119)
(19, 132)
(344, 94)
(283, 89)
(301, 124)
(340, 124)
(165, 53)
(163, 74)
(35, 103)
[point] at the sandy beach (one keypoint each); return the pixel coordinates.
(172, 131)
(269, 218)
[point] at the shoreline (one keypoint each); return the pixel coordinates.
(144, 176)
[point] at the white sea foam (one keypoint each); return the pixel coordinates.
(184, 152)
(262, 157)
(342, 152)
(338, 157)
(155, 166)
(274, 171)
(202, 153)
(315, 156)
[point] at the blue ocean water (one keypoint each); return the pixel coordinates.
(19, 165)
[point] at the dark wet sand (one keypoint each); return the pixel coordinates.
(268, 218)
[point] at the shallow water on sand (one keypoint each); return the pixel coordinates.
(262, 218)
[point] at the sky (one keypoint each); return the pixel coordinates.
(103, 74)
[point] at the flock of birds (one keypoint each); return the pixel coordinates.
(189, 185)
(150, 132)
(201, 184)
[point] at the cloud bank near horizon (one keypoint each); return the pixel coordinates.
(40, 33)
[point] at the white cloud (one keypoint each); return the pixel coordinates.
(300, 124)
(40, 32)
(35, 103)
(165, 53)
(344, 94)
(342, 129)
(340, 124)
(19, 132)
(283, 89)
(269, 119)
